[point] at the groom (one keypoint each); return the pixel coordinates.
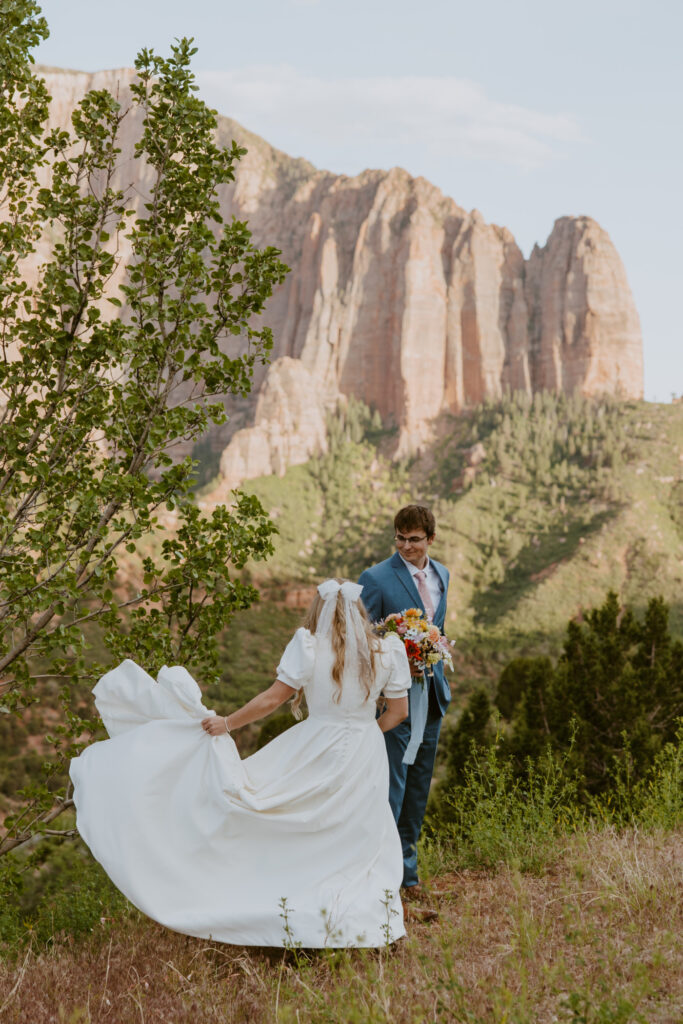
(410, 578)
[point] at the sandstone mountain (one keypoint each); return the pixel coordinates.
(400, 298)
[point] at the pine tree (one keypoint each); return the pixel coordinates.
(616, 692)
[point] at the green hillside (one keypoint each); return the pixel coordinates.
(572, 497)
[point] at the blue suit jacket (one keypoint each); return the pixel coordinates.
(388, 587)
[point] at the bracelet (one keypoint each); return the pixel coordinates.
(227, 727)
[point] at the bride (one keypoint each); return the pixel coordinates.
(295, 845)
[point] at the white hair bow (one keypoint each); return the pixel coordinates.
(330, 588)
(357, 651)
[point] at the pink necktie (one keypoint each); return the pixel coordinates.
(423, 591)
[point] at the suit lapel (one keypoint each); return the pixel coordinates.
(406, 580)
(440, 572)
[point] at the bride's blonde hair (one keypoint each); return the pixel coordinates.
(338, 641)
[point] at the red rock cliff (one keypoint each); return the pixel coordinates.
(400, 297)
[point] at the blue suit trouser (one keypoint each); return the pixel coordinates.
(409, 785)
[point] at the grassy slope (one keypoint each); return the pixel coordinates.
(595, 940)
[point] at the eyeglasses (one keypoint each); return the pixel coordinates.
(400, 539)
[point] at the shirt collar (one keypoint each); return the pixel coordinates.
(412, 569)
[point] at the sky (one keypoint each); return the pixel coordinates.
(526, 111)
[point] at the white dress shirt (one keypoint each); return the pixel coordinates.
(432, 580)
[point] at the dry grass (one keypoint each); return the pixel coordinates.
(596, 940)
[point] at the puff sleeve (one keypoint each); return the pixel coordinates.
(296, 664)
(399, 679)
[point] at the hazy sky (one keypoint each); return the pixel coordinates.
(527, 111)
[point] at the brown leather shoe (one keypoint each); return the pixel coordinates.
(414, 892)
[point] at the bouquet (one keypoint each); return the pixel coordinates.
(424, 642)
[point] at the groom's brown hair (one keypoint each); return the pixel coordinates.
(415, 517)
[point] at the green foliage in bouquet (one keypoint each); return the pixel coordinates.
(104, 370)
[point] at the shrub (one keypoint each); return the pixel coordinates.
(58, 889)
(496, 816)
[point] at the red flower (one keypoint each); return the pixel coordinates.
(412, 649)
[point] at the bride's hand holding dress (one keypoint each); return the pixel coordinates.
(261, 705)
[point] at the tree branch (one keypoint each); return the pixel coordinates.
(7, 843)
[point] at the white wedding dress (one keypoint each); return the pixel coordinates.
(293, 845)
